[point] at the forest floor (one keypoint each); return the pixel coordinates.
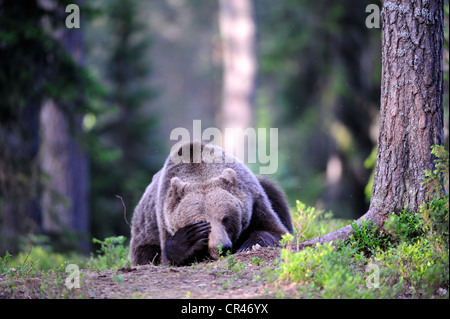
(370, 265)
(249, 275)
(243, 275)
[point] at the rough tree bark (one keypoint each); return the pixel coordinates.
(237, 28)
(411, 114)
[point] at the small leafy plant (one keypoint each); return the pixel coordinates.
(4, 263)
(404, 226)
(257, 261)
(113, 254)
(232, 265)
(367, 238)
(435, 210)
(302, 218)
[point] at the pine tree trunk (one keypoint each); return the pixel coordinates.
(411, 114)
(411, 118)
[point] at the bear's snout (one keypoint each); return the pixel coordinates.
(219, 242)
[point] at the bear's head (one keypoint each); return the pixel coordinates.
(218, 201)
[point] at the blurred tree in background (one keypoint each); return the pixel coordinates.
(129, 153)
(321, 70)
(35, 67)
(135, 70)
(63, 162)
(237, 33)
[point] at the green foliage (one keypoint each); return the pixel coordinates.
(322, 271)
(421, 258)
(370, 163)
(220, 250)
(4, 263)
(40, 272)
(432, 220)
(435, 211)
(126, 154)
(304, 221)
(257, 261)
(27, 277)
(301, 266)
(414, 269)
(39, 256)
(421, 264)
(34, 63)
(435, 181)
(286, 239)
(404, 226)
(301, 219)
(325, 101)
(367, 238)
(435, 217)
(232, 266)
(411, 258)
(113, 254)
(36, 66)
(43, 258)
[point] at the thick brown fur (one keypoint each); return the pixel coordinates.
(193, 207)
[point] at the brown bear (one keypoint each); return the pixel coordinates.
(196, 208)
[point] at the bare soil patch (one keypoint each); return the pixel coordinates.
(241, 275)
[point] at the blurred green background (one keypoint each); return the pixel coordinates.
(86, 114)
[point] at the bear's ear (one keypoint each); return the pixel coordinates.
(229, 177)
(177, 187)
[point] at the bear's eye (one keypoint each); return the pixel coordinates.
(225, 220)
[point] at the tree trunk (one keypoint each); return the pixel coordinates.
(55, 164)
(19, 145)
(237, 30)
(64, 198)
(411, 115)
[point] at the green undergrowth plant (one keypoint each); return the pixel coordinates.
(435, 211)
(367, 238)
(309, 222)
(404, 227)
(113, 254)
(324, 271)
(36, 258)
(43, 258)
(408, 258)
(37, 273)
(232, 266)
(302, 218)
(420, 266)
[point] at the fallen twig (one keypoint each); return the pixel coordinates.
(124, 209)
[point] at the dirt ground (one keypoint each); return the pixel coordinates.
(210, 279)
(241, 275)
